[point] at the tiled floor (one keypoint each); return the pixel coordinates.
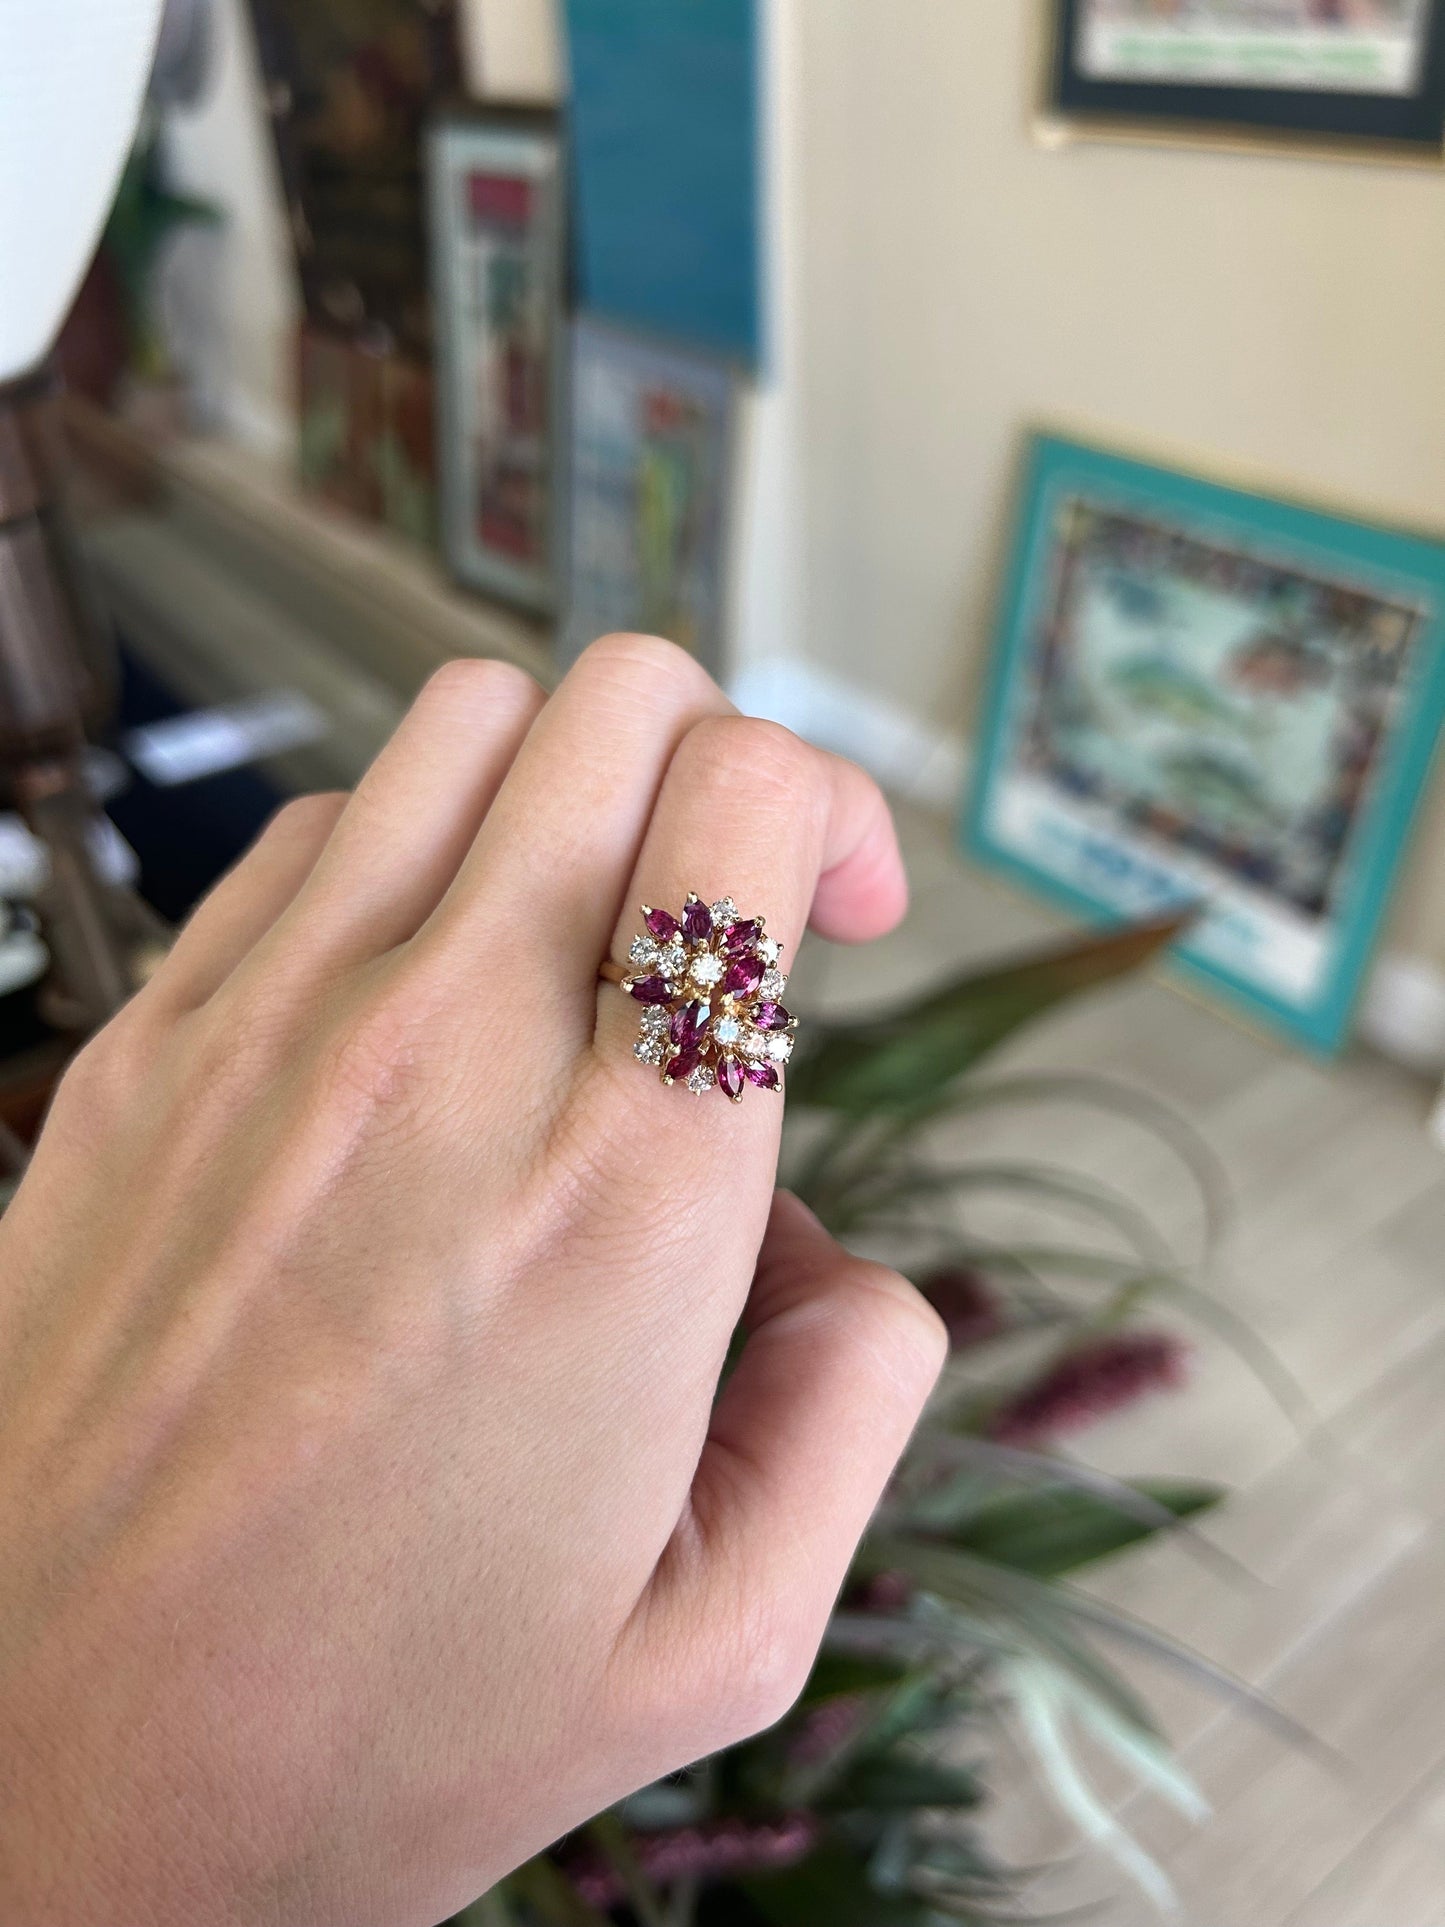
(1335, 1259)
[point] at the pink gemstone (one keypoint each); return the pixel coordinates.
(743, 976)
(687, 1027)
(772, 1017)
(763, 1075)
(742, 936)
(730, 1077)
(651, 990)
(684, 1064)
(696, 921)
(661, 925)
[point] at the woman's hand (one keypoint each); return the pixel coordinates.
(366, 1519)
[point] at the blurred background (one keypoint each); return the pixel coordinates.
(1042, 404)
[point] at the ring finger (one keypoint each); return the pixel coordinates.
(750, 812)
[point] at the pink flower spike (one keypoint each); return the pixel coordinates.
(743, 976)
(696, 921)
(772, 1017)
(660, 925)
(650, 990)
(1090, 1383)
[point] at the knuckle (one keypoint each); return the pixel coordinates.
(474, 686)
(894, 1322)
(648, 661)
(307, 816)
(773, 1653)
(777, 764)
(372, 1063)
(103, 1073)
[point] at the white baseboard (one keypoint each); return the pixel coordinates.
(909, 757)
(1402, 1011)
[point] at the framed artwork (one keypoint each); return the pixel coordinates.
(649, 509)
(1363, 77)
(348, 86)
(365, 430)
(497, 208)
(1208, 696)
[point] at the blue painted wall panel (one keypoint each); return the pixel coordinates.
(665, 148)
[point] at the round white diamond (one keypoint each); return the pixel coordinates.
(724, 912)
(643, 951)
(707, 969)
(754, 1044)
(780, 1046)
(672, 962)
(650, 1050)
(655, 1020)
(727, 1030)
(773, 985)
(701, 1079)
(768, 950)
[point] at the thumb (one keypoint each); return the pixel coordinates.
(839, 1360)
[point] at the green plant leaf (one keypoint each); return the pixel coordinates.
(612, 1837)
(830, 1889)
(1043, 1607)
(992, 1464)
(1058, 1529)
(492, 1910)
(838, 1673)
(1048, 1183)
(885, 1782)
(550, 1896)
(902, 1061)
(1095, 1090)
(1035, 1693)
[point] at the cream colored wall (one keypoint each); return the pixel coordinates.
(957, 281)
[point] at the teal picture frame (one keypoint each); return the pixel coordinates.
(1287, 923)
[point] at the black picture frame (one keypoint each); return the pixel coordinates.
(1324, 120)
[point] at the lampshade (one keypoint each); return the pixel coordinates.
(72, 74)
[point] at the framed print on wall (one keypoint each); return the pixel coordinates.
(1364, 77)
(650, 498)
(1211, 696)
(497, 217)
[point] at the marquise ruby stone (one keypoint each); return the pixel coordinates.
(705, 973)
(652, 990)
(696, 921)
(743, 976)
(687, 1027)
